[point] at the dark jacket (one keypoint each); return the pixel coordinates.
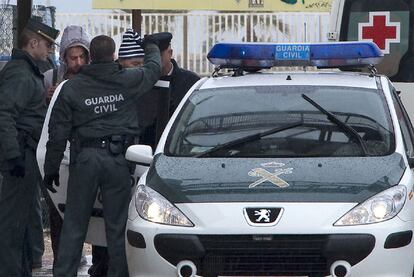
(22, 105)
(156, 108)
(99, 102)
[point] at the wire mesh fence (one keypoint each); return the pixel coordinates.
(8, 26)
(46, 13)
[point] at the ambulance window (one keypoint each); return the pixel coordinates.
(405, 124)
(388, 24)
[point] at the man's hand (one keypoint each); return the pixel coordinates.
(17, 167)
(160, 39)
(48, 181)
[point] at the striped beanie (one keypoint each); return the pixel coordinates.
(131, 45)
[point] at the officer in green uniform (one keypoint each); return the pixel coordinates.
(22, 112)
(96, 111)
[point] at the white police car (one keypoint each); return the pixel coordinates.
(279, 174)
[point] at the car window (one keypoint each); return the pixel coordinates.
(405, 124)
(213, 117)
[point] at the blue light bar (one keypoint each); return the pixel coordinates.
(267, 55)
(5, 58)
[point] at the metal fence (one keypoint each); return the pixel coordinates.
(8, 26)
(195, 33)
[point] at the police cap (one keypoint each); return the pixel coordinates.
(42, 29)
(165, 40)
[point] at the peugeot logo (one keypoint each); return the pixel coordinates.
(262, 216)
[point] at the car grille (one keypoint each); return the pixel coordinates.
(264, 255)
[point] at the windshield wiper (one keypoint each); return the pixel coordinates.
(349, 131)
(247, 139)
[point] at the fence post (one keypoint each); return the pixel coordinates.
(185, 40)
(24, 11)
(136, 21)
(249, 31)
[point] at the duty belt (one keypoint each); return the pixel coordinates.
(114, 144)
(125, 140)
(95, 143)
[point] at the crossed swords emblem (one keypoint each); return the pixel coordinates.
(272, 177)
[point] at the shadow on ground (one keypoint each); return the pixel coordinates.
(47, 260)
(46, 270)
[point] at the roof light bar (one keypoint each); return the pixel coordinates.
(5, 58)
(266, 55)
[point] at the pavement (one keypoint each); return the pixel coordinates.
(46, 270)
(47, 259)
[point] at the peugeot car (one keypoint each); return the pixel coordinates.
(275, 173)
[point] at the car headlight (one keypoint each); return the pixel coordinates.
(378, 208)
(152, 206)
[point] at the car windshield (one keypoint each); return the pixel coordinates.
(213, 117)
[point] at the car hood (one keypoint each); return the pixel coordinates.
(195, 180)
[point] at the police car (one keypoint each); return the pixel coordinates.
(301, 173)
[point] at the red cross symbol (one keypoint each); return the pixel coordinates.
(380, 30)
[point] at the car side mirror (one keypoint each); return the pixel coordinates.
(139, 154)
(411, 162)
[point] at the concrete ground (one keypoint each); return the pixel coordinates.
(47, 260)
(46, 270)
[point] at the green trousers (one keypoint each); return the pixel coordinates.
(17, 196)
(95, 168)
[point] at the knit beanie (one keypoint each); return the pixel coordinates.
(131, 45)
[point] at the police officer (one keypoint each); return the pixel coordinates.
(155, 108)
(22, 112)
(96, 111)
(130, 54)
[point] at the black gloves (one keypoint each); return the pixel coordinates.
(48, 181)
(162, 40)
(17, 167)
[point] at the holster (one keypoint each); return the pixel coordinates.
(116, 145)
(74, 150)
(25, 141)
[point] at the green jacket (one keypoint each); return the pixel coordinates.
(22, 105)
(98, 102)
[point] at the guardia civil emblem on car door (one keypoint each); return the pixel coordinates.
(270, 172)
